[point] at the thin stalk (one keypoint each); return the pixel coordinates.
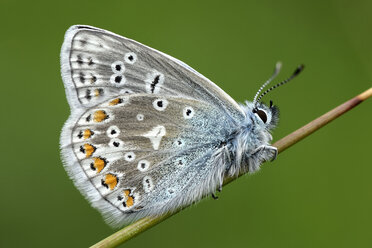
(142, 225)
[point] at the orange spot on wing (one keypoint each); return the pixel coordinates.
(97, 92)
(99, 164)
(130, 201)
(87, 133)
(127, 192)
(89, 149)
(100, 115)
(111, 181)
(116, 101)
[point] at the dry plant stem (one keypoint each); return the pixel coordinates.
(321, 121)
(141, 225)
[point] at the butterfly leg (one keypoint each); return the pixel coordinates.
(275, 150)
(267, 152)
(214, 196)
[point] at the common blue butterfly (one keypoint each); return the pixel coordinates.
(148, 134)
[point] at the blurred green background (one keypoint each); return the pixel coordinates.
(316, 194)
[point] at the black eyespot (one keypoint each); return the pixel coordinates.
(90, 61)
(79, 60)
(82, 77)
(154, 83)
(83, 42)
(160, 104)
(87, 94)
(262, 115)
(130, 57)
(118, 79)
(93, 79)
(104, 184)
(116, 144)
(99, 92)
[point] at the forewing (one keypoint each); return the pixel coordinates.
(141, 154)
(97, 64)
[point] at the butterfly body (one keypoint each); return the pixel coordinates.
(147, 134)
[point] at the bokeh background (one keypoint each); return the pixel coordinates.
(316, 194)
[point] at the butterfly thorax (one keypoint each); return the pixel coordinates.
(252, 134)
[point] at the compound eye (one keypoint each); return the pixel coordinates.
(262, 114)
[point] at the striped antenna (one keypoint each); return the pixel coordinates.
(295, 73)
(278, 66)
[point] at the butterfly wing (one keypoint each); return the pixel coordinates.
(141, 154)
(97, 64)
(144, 143)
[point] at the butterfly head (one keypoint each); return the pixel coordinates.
(261, 115)
(266, 115)
(269, 115)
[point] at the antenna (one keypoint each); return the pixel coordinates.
(276, 72)
(295, 73)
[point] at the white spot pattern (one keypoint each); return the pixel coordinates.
(117, 79)
(130, 58)
(143, 165)
(155, 136)
(126, 91)
(188, 112)
(118, 67)
(160, 104)
(148, 184)
(116, 143)
(129, 156)
(179, 143)
(140, 117)
(154, 81)
(113, 132)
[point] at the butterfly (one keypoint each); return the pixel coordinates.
(148, 134)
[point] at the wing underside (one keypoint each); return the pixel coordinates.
(144, 128)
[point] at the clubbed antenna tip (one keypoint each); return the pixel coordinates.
(299, 69)
(295, 73)
(278, 66)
